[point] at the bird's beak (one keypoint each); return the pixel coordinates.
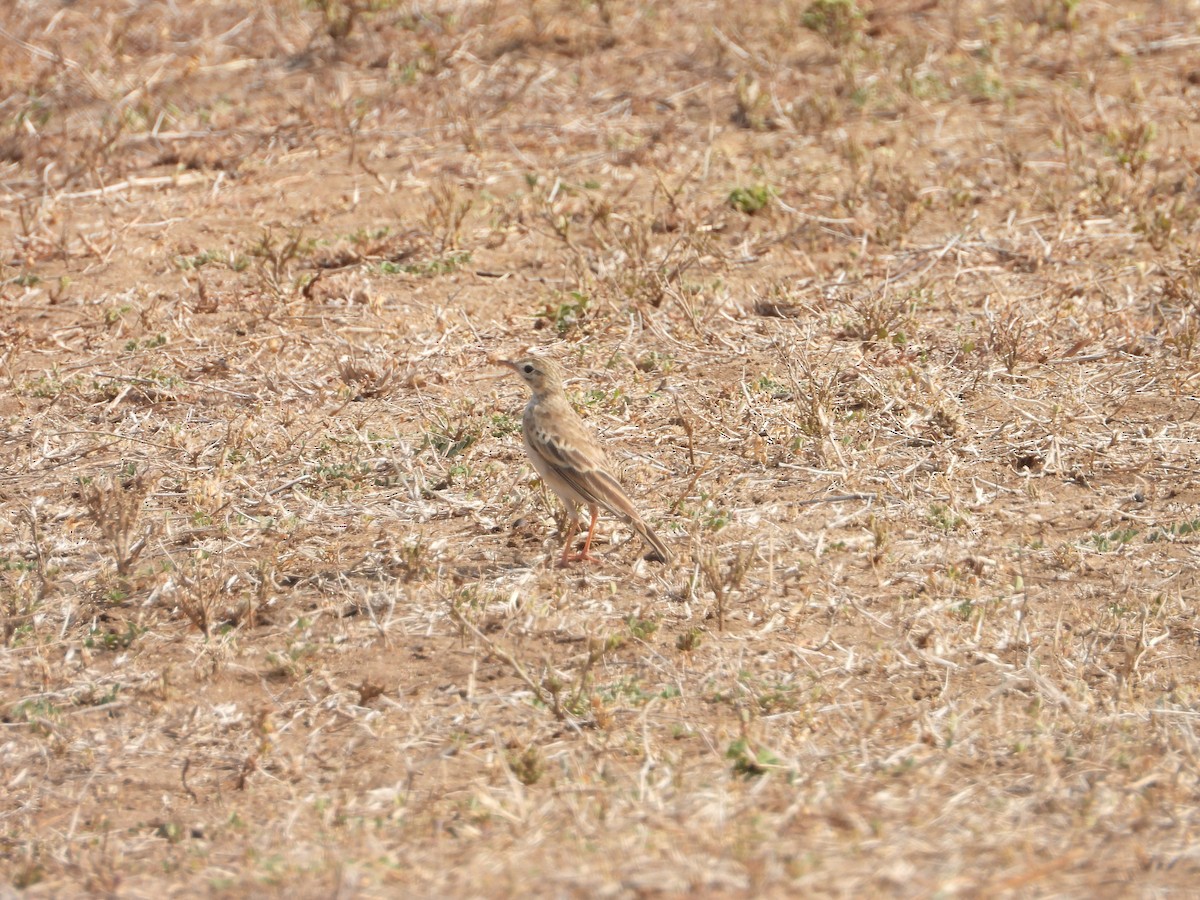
(505, 362)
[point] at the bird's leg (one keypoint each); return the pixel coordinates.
(587, 544)
(585, 556)
(572, 524)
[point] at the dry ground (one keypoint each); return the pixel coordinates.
(891, 315)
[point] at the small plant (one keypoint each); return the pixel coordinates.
(984, 85)
(750, 762)
(569, 314)
(1107, 542)
(172, 832)
(275, 258)
(1056, 15)
(714, 517)
(134, 346)
(153, 387)
(840, 22)
(112, 639)
(292, 662)
(340, 475)
(200, 588)
(944, 518)
(880, 535)
(445, 264)
(368, 379)
(198, 260)
(43, 716)
(1175, 530)
(724, 581)
(503, 425)
(815, 397)
(880, 317)
(115, 505)
(51, 385)
(413, 559)
(689, 641)
(368, 237)
(1158, 224)
(609, 400)
(771, 698)
(446, 208)
(1179, 308)
(642, 629)
(340, 16)
(768, 385)
(597, 649)
(655, 362)
(450, 438)
(1006, 337)
(1129, 145)
(114, 314)
(528, 765)
(751, 106)
(751, 200)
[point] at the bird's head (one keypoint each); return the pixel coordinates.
(542, 375)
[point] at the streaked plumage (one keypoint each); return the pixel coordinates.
(570, 460)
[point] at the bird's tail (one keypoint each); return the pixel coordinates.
(647, 534)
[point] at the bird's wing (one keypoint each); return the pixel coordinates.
(567, 446)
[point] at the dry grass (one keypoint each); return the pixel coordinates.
(892, 316)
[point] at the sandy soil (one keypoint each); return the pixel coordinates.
(890, 315)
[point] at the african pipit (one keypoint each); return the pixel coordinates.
(569, 458)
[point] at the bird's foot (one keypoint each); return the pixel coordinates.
(567, 558)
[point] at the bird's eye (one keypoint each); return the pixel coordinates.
(528, 369)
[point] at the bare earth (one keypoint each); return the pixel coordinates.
(891, 316)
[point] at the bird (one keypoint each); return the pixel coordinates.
(570, 460)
